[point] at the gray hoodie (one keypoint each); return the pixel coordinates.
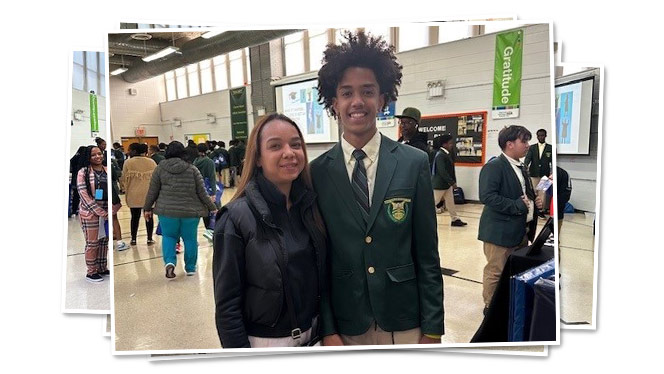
(177, 190)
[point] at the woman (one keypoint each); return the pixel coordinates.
(179, 198)
(269, 245)
(136, 174)
(75, 164)
(116, 173)
(92, 185)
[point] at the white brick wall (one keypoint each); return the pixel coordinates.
(129, 111)
(80, 132)
(193, 112)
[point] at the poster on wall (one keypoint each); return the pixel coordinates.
(239, 122)
(507, 75)
(386, 117)
(299, 101)
(468, 131)
(197, 138)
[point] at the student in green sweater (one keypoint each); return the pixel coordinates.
(205, 165)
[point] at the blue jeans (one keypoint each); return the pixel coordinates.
(174, 228)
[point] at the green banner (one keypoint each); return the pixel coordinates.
(94, 117)
(239, 127)
(507, 75)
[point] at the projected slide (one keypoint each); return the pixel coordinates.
(573, 114)
(564, 118)
(299, 101)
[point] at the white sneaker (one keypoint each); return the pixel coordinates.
(208, 234)
(439, 210)
(121, 246)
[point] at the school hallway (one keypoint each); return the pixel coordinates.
(155, 314)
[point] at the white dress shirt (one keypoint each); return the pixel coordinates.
(370, 162)
(541, 148)
(516, 166)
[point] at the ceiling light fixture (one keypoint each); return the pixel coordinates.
(119, 71)
(163, 53)
(211, 34)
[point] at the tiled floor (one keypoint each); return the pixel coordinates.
(81, 295)
(152, 313)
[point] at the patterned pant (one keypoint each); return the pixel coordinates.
(96, 250)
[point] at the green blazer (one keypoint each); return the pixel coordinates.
(539, 167)
(388, 269)
(503, 220)
(443, 175)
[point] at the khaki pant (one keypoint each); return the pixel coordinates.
(448, 196)
(225, 177)
(376, 336)
(496, 257)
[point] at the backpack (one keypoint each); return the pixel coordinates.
(220, 162)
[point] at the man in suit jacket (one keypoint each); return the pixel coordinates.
(443, 176)
(507, 221)
(539, 159)
(376, 198)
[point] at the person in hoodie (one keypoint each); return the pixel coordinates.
(205, 165)
(177, 195)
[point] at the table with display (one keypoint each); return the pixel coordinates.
(494, 327)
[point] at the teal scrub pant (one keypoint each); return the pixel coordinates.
(171, 230)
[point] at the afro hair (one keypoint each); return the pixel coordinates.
(359, 50)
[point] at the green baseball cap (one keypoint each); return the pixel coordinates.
(412, 113)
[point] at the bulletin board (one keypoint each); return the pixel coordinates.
(197, 138)
(468, 131)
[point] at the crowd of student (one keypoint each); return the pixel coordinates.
(133, 174)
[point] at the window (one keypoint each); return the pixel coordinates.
(294, 53)
(339, 35)
(451, 31)
(206, 76)
(91, 61)
(248, 64)
(88, 72)
(379, 31)
(496, 26)
(194, 84)
(220, 73)
(237, 73)
(171, 93)
(181, 82)
(78, 58)
(412, 37)
(317, 43)
(78, 72)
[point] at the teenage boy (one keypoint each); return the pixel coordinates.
(376, 198)
(507, 221)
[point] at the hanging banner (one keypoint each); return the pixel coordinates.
(239, 128)
(507, 75)
(94, 119)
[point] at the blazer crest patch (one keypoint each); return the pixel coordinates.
(397, 209)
